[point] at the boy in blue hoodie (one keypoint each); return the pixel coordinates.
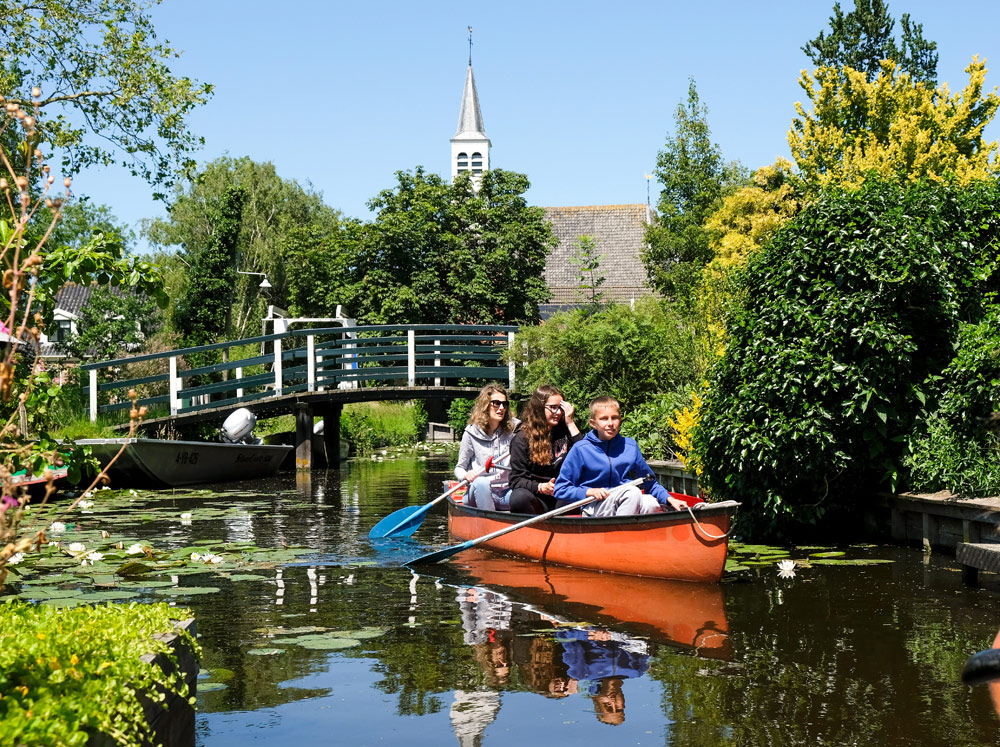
(602, 461)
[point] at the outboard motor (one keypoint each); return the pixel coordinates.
(238, 427)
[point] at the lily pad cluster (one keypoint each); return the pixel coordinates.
(743, 557)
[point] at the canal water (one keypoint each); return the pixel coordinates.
(313, 634)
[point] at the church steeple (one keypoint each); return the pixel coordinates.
(470, 148)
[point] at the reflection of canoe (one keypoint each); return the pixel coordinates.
(676, 612)
(158, 463)
(663, 545)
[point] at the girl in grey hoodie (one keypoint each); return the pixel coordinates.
(490, 429)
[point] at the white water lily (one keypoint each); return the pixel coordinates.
(135, 549)
(15, 558)
(56, 527)
(195, 556)
(786, 569)
(77, 547)
(95, 556)
(86, 504)
(105, 533)
(210, 558)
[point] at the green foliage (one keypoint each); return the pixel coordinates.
(278, 216)
(67, 674)
(458, 414)
(630, 354)
(694, 179)
(371, 425)
(436, 252)
(959, 449)
(647, 423)
(863, 37)
(106, 86)
(846, 313)
(589, 278)
(203, 314)
(111, 324)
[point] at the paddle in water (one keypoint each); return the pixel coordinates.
(406, 521)
(439, 555)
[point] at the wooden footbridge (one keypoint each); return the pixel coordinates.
(308, 372)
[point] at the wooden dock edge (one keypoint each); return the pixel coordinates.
(969, 527)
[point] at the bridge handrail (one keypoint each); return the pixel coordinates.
(319, 362)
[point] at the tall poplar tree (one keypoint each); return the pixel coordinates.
(694, 180)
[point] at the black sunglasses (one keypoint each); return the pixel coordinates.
(498, 403)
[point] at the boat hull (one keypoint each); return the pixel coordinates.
(161, 463)
(662, 545)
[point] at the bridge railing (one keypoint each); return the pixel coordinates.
(299, 361)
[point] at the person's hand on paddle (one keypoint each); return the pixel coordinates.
(548, 488)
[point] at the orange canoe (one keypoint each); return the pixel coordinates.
(681, 614)
(676, 545)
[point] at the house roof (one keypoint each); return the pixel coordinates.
(620, 234)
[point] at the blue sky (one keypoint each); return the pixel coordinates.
(579, 96)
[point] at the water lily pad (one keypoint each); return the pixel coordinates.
(217, 675)
(363, 633)
(134, 569)
(186, 590)
(265, 651)
(48, 593)
(71, 602)
(102, 596)
(330, 642)
(831, 554)
(53, 578)
(210, 687)
(144, 584)
(246, 577)
(852, 561)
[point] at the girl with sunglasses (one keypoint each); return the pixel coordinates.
(538, 449)
(488, 433)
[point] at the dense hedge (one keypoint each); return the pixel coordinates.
(67, 674)
(846, 316)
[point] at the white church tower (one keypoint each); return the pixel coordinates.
(470, 148)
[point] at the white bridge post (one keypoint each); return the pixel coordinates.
(411, 357)
(510, 363)
(239, 375)
(311, 363)
(437, 360)
(93, 395)
(175, 386)
(277, 368)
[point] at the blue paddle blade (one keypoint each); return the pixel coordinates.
(438, 556)
(401, 523)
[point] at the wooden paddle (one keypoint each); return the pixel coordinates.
(439, 555)
(406, 521)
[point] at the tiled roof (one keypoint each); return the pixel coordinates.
(71, 299)
(619, 231)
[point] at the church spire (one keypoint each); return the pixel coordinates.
(470, 148)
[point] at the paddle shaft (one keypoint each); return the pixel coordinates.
(447, 552)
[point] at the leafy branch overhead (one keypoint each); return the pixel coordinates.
(108, 94)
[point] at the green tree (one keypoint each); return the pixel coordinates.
(893, 126)
(106, 89)
(111, 324)
(275, 208)
(847, 313)
(863, 37)
(694, 179)
(439, 252)
(629, 353)
(202, 316)
(590, 278)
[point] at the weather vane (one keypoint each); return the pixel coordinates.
(470, 46)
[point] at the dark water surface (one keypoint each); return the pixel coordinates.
(499, 652)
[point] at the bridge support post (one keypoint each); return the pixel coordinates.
(303, 436)
(331, 433)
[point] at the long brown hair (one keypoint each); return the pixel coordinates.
(536, 427)
(480, 414)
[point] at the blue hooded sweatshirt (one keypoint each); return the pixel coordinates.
(593, 463)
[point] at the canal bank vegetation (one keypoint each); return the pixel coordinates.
(69, 675)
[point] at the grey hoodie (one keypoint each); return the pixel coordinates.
(477, 447)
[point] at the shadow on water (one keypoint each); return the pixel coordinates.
(315, 634)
